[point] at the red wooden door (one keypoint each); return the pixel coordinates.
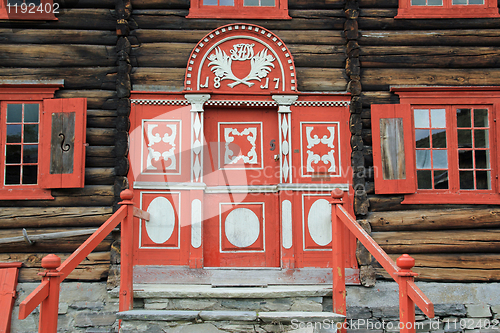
(241, 227)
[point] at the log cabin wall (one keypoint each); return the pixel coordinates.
(449, 242)
(163, 38)
(81, 49)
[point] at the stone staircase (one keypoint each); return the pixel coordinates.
(176, 308)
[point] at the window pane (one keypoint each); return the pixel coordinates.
(476, 2)
(269, 3)
(12, 175)
(251, 3)
(226, 2)
(14, 133)
(30, 154)
(466, 180)
(441, 179)
(210, 2)
(459, 2)
(481, 118)
(30, 113)
(15, 2)
(440, 159)
(463, 118)
(13, 154)
(438, 138)
(423, 159)
(481, 139)
(424, 180)
(483, 180)
(465, 159)
(422, 139)
(464, 138)
(435, 2)
(31, 133)
(421, 117)
(14, 113)
(29, 174)
(482, 159)
(438, 118)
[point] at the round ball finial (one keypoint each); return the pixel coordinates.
(127, 194)
(51, 261)
(337, 193)
(405, 262)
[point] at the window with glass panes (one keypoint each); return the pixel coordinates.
(251, 9)
(447, 9)
(21, 143)
(452, 148)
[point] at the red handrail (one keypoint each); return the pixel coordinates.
(47, 293)
(409, 293)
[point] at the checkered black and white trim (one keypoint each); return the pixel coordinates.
(160, 102)
(240, 103)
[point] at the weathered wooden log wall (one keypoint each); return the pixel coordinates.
(81, 48)
(163, 38)
(449, 242)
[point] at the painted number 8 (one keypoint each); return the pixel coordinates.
(216, 82)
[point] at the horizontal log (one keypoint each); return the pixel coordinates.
(370, 12)
(450, 274)
(381, 79)
(80, 273)
(428, 57)
(101, 113)
(376, 97)
(50, 55)
(101, 136)
(87, 3)
(72, 18)
(74, 77)
(34, 260)
(53, 36)
(95, 98)
(453, 37)
(302, 20)
(172, 79)
(386, 203)
(323, 37)
(38, 217)
(100, 162)
(467, 240)
(455, 260)
(378, 4)
(321, 79)
(385, 22)
(68, 245)
(100, 151)
(177, 55)
(440, 219)
(47, 236)
(103, 122)
(99, 176)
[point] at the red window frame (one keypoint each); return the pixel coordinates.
(451, 99)
(45, 11)
(448, 10)
(43, 94)
(239, 11)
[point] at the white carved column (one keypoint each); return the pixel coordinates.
(284, 121)
(197, 101)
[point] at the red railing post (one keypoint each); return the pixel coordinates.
(338, 262)
(126, 267)
(406, 304)
(49, 307)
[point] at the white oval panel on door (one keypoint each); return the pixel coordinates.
(162, 220)
(319, 222)
(242, 227)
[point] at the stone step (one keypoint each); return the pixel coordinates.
(228, 321)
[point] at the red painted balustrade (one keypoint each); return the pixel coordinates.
(47, 293)
(409, 294)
